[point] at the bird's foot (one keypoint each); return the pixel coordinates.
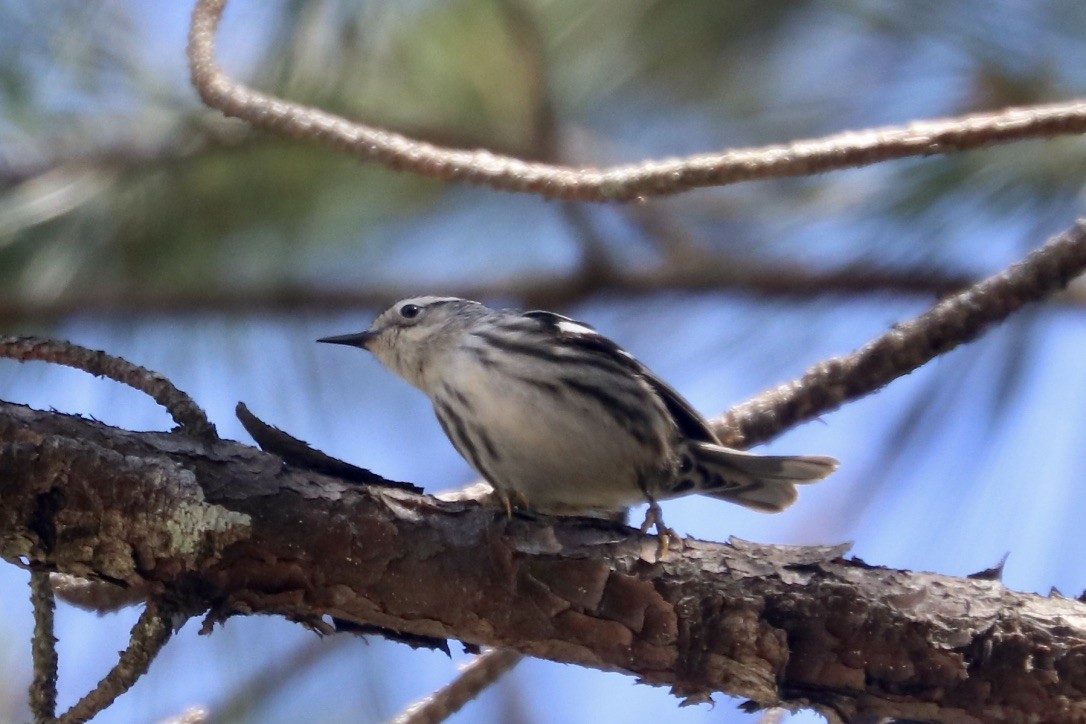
(654, 518)
(509, 500)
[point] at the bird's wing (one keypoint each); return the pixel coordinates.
(582, 336)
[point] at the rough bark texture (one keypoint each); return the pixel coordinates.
(233, 527)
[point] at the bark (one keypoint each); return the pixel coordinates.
(233, 530)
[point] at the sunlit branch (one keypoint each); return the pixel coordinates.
(43, 690)
(954, 321)
(483, 671)
(181, 407)
(618, 183)
(149, 635)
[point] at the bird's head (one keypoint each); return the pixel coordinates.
(414, 334)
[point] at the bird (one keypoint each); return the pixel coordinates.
(561, 420)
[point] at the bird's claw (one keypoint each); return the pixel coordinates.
(654, 518)
(508, 500)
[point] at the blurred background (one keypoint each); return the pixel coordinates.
(134, 220)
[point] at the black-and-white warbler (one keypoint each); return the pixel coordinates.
(560, 418)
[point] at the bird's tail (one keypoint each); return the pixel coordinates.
(762, 482)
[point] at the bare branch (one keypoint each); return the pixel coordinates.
(149, 635)
(796, 627)
(43, 690)
(483, 671)
(543, 291)
(184, 410)
(953, 322)
(618, 183)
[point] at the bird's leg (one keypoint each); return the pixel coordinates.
(654, 517)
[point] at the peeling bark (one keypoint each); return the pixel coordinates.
(236, 529)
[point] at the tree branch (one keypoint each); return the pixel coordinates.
(483, 671)
(149, 635)
(184, 410)
(708, 273)
(908, 346)
(228, 525)
(619, 183)
(43, 690)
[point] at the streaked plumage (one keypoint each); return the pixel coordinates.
(553, 413)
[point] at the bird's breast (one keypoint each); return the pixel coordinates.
(552, 438)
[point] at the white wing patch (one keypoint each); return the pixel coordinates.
(568, 326)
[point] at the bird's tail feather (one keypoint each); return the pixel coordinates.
(762, 482)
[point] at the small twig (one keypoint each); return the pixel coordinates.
(149, 635)
(484, 670)
(300, 454)
(43, 691)
(618, 183)
(955, 321)
(185, 412)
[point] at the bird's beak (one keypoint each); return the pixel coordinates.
(359, 339)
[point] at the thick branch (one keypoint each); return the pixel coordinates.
(620, 183)
(228, 525)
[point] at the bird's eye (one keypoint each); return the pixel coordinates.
(409, 311)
